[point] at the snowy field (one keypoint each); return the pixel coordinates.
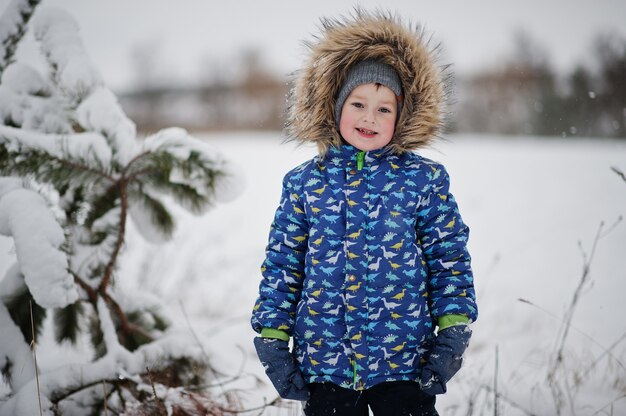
(528, 202)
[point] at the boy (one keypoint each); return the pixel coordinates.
(367, 252)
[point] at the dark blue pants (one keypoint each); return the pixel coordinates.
(397, 398)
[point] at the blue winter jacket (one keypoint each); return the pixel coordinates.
(366, 251)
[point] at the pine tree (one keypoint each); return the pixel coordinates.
(75, 172)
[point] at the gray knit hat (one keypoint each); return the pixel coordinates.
(366, 72)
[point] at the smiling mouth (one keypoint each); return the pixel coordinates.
(366, 131)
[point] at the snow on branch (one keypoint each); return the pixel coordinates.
(12, 27)
(14, 352)
(38, 237)
(57, 33)
(185, 148)
(97, 108)
(27, 101)
(101, 112)
(91, 148)
(191, 171)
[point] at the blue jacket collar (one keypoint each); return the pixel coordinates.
(347, 155)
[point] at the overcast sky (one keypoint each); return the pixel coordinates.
(190, 38)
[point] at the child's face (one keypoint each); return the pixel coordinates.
(368, 117)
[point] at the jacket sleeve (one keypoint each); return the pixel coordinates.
(443, 237)
(283, 267)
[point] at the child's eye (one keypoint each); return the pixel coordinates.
(384, 110)
(357, 105)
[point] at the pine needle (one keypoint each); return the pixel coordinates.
(33, 343)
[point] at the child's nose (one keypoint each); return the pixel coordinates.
(369, 116)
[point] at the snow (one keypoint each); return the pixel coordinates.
(23, 79)
(57, 32)
(90, 147)
(528, 201)
(179, 143)
(25, 216)
(101, 112)
(10, 20)
(26, 100)
(12, 340)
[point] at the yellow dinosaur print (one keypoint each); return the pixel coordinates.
(394, 265)
(451, 223)
(296, 209)
(354, 288)
(356, 183)
(399, 245)
(318, 241)
(356, 234)
(317, 292)
(320, 190)
(300, 238)
(400, 347)
(400, 295)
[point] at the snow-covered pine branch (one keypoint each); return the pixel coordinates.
(175, 164)
(28, 101)
(68, 138)
(96, 108)
(38, 238)
(13, 23)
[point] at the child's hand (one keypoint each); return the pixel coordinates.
(445, 358)
(281, 368)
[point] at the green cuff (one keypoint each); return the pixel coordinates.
(447, 321)
(274, 333)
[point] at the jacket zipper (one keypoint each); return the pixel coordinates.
(360, 159)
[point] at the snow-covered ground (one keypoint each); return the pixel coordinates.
(528, 202)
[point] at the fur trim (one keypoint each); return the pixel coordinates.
(346, 41)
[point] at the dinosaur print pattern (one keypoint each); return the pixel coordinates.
(361, 262)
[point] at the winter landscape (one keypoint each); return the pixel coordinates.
(528, 201)
(134, 260)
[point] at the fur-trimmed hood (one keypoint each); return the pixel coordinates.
(346, 41)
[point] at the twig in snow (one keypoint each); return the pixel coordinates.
(605, 351)
(222, 383)
(104, 389)
(511, 402)
(33, 345)
(495, 386)
(160, 404)
(619, 173)
(569, 315)
(609, 405)
(557, 392)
